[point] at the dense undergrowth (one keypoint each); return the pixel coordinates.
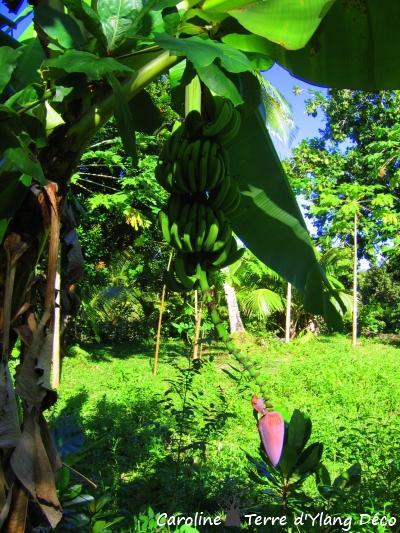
(177, 441)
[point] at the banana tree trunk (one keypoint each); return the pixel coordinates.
(235, 319)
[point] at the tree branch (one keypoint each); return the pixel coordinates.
(83, 130)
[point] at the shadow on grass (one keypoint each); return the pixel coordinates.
(109, 352)
(133, 456)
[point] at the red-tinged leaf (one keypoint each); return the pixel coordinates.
(258, 404)
(272, 431)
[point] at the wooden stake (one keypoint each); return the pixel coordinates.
(355, 290)
(197, 316)
(158, 336)
(288, 312)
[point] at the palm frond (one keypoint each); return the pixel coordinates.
(260, 303)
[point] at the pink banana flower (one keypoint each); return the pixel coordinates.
(272, 431)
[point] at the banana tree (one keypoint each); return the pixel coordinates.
(83, 63)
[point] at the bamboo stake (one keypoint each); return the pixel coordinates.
(160, 316)
(355, 290)
(197, 313)
(288, 311)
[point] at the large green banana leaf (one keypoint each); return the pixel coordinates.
(356, 46)
(270, 222)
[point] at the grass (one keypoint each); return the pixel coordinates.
(188, 457)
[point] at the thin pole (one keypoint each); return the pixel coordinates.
(355, 290)
(197, 313)
(160, 316)
(288, 311)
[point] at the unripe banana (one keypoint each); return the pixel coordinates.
(213, 230)
(164, 224)
(232, 129)
(179, 266)
(221, 119)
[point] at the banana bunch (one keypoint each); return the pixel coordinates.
(194, 169)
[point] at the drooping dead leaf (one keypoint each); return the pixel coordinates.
(33, 468)
(51, 191)
(9, 422)
(32, 381)
(49, 444)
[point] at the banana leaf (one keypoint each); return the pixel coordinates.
(270, 222)
(356, 46)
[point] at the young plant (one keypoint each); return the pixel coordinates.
(288, 461)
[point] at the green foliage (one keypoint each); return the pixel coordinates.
(380, 290)
(351, 398)
(287, 481)
(338, 173)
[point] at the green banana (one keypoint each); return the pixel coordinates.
(180, 182)
(213, 230)
(183, 218)
(174, 207)
(191, 169)
(181, 151)
(232, 129)
(172, 283)
(175, 239)
(214, 168)
(223, 238)
(179, 266)
(203, 166)
(225, 158)
(186, 237)
(221, 120)
(231, 195)
(164, 224)
(234, 256)
(223, 254)
(234, 206)
(219, 197)
(197, 148)
(173, 144)
(163, 175)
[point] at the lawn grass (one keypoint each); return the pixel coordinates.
(351, 395)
